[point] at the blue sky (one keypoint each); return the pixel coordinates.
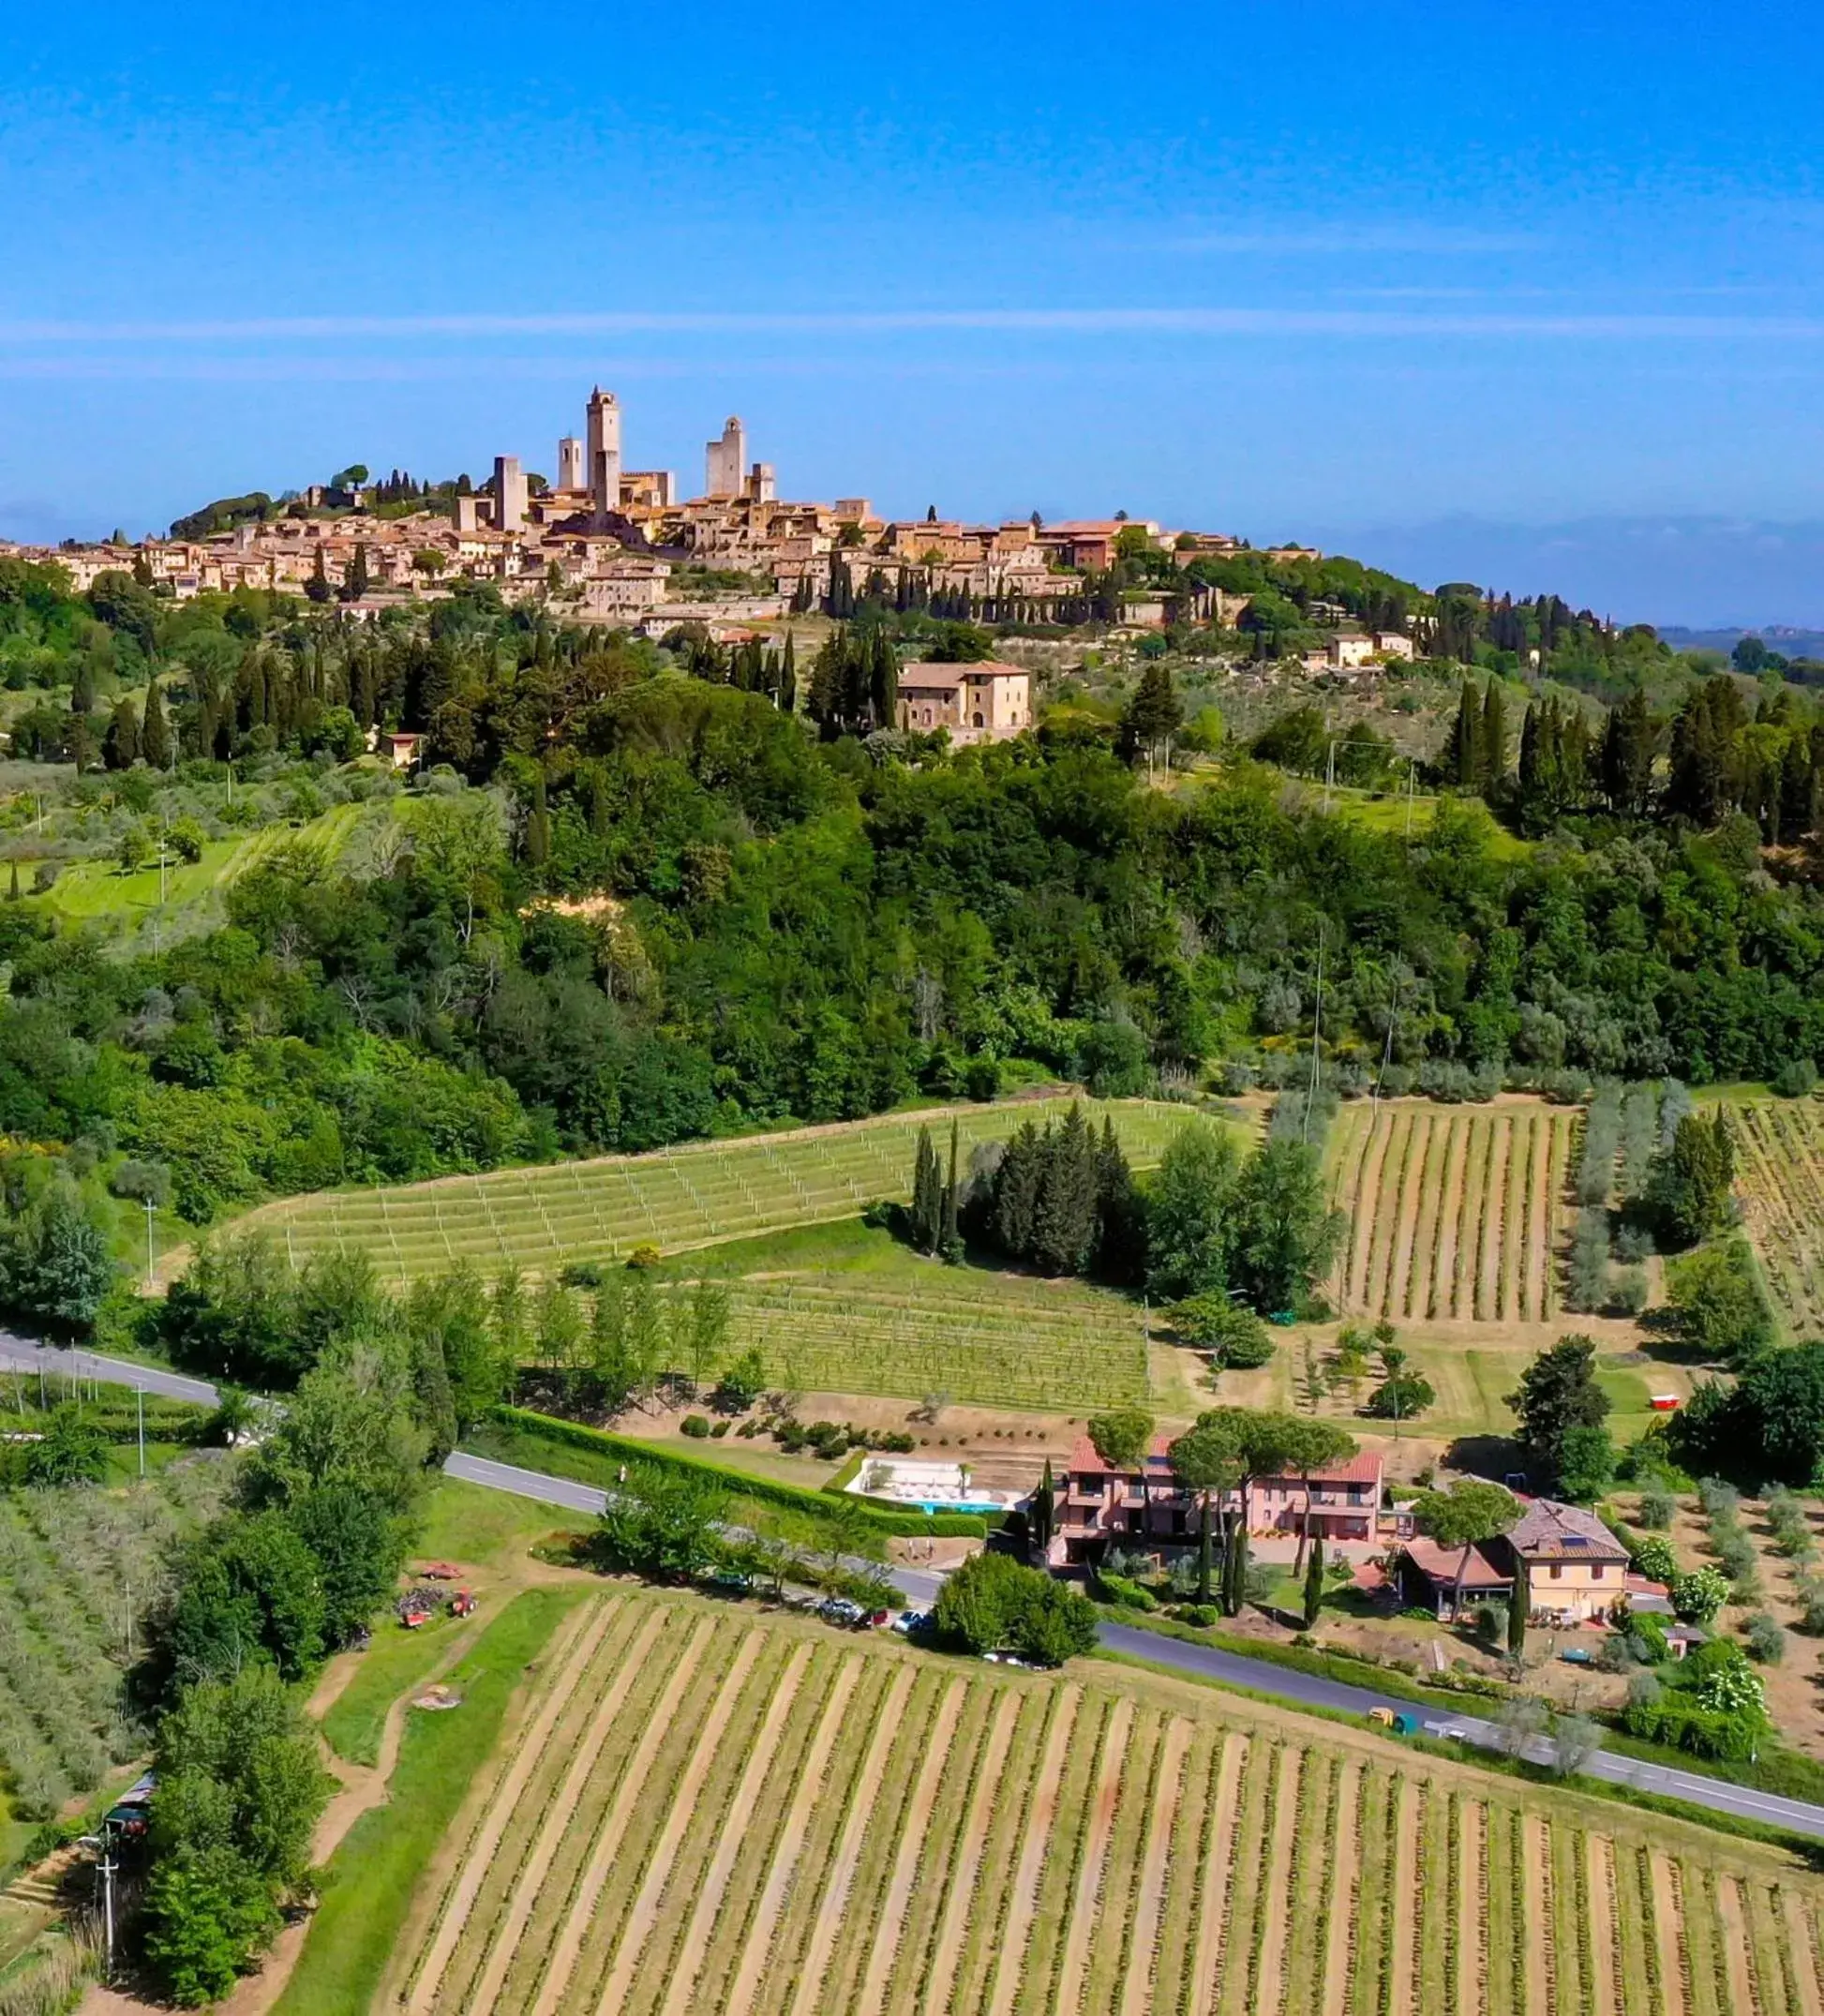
(1437, 284)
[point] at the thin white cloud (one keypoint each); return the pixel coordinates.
(1365, 323)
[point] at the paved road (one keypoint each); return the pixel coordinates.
(22, 1355)
(1304, 1690)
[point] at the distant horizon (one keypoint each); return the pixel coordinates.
(1536, 302)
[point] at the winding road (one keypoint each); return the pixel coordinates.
(1302, 1690)
(1199, 1662)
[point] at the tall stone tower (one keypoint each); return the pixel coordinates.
(509, 494)
(725, 461)
(570, 464)
(604, 471)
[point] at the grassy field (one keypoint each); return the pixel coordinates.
(93, 891)
(698, 1809)
(368, 1885)
(543, 1219)
(1456, 1212)
(1472, 1368)
(1780, 1178)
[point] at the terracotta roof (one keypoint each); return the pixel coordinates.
(1362, 1467)
(1443, 1563)
(1550, 1531)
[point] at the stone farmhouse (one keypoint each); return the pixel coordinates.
(1570, 1567)
(977, 703)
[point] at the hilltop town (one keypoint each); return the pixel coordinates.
(604, 543)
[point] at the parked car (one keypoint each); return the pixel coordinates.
(840, 1610)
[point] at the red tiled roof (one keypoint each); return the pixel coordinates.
(1362, 1467)
(1443, 1563)
(1550, 1531)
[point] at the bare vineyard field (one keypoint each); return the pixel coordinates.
(542, 1219)
(706, 1811)
(1779, 1177)
(1455, 1212)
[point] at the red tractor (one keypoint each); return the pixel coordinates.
(462, 1604)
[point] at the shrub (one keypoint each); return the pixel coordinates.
(1810, 1605)
(1657, 1511)
(1205, 1615)
(1796, 1079)
(1655, 1560)
(1697, 1597)
(992, 1602)
(1719, 1500)
(695, 1425)
(1766, 1641)
(1116, 1589)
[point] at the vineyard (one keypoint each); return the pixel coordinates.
(704, 1812)
(1780, 1176)
(1455, 1212)
(545, 1218)
(999, 1341)
(81, 1569)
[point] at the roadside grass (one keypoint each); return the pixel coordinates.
(367, 1887)
(464, 1522)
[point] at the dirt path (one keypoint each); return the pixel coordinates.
(1155, 1869)
(830, 1905)
(1219, 1873)
(569, 1940)
(1513, 1218)
(1403, 1886)
(1345, 1878)
(1732, 1908)
(1367, 1195)
(1535, 1873)
(1805, 1956)
(682, 1984)
(550, 1835)
(1604, 1924)
(1472, 1927)
(759, 1948)
(1023, 1899)
(877, 1982)
(1539, 1238)
(574, 1652)
(1494, 1184)
(967, 1865)
(1475, 1164)
(1268, 1982)
(643, 1913)
(1386, 1209)
(1095, 1854)
(1412, 1200)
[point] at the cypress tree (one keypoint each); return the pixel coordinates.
(1516, 1609)
(1465, 731)
(950, 1239)
(1314, 1583)
(12, 887)
(155, 732)
(1491, 741)
(927, 1205)
(120, 746)
(1043, 1513)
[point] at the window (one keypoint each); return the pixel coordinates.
(1557, 1570)
(1596, 1572)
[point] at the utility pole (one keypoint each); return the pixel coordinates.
(1329, 770)
(140, 1391)
(1411, 785)
(105, 1870)
(1317, 1026)
(1388, 1054)
(149, 1264)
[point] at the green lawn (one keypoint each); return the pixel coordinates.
(368, 1887)
(484, 1528)
(397, 1659)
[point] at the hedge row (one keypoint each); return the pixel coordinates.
(884, 1517)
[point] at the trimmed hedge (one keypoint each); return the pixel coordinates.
(883, 1517)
